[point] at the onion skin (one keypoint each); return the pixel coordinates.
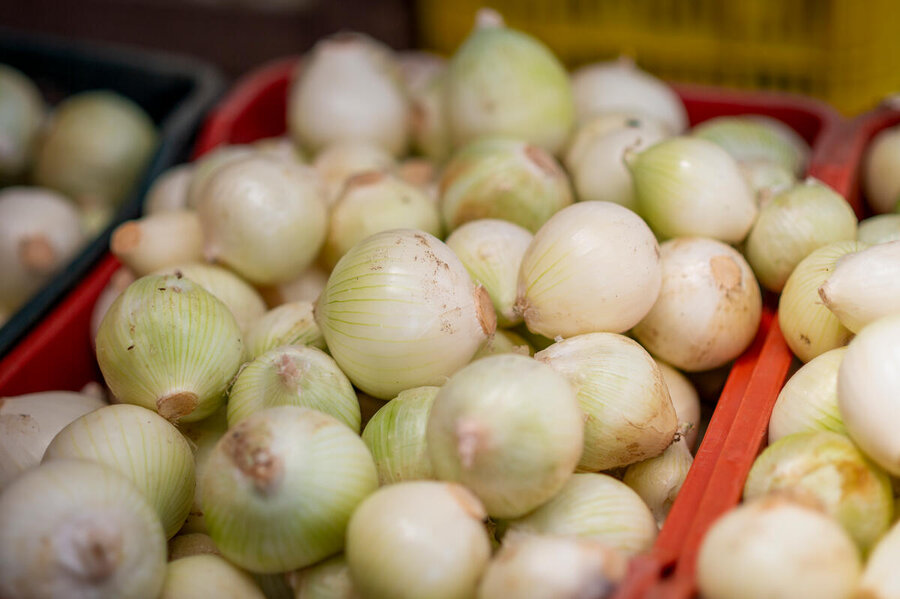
(186, 545)
(329, 579)
(428, 116)
(169, 192)
(339, 162)
(755, 138)
(879, 229)
(659, 479)
(207, 165)
(685, 400)
(154, 242)
(22, 111)
(202, 576)
(289, 324)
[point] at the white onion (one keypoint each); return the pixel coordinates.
(766, 179)
(879, 578)
(509, 428)
(619, 85)
(629, 416)
(347, 89)
(202, 576)
(594, 266)
(39, 233)
(281, 146)
(879, 229)
(418, 68)
(685, 400)
(441, 552)
(202, 436)
(264, 217)
(754, 138)
(29, 422)
(169, 191)
(207, 165)
(400, 311)
(77, 529)
(880, 171)
(118, 283)
(340, 161)
(288, 324)
(658, 480)
(157, 241)
(777, 549)
(504, 342)
(428, 120)
(21, 115)
(329, 579)
(708, 308)
(305, 288)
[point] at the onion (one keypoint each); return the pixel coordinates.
(280, 487)
(186, 545)
(594, 506)
(348, 89)
(202, 436)
(21, 114)
(504, 82)
(808, 401)
(288, 324)
(418, 68)
(169, 192)
(535, 566)
(95, 148)
(879, 229)
(766, 179)
(282, 147)
(688, 186)
(629, 416)
(305, 288)
(118, 283)
(142, 446)
(777, 549)
(337, 163)
(168, 345)
(157, 241)
(756, 138)
(507, 427)
(685, 400)
(595, 160)
(400, 311)
(39, 233)
(372, 202)
(29, 422)
(420, 172)
(659, 479)
(77, 529)
(207, 165)
(504, 179)
(708, 308)
(263, 217)
(202, 576)
(503, 342)
(879, 176)
(879, 579)
(492, 251)
(793, 224)
(441, 553)
(593, 267)
(329, 579)
(396, 436)
(809, 327)
(429, 122)
(293, 376)
(869, 390)
(619, 85)
(829, 469)
(864, 286)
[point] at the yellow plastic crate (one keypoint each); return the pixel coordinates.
(846, 52)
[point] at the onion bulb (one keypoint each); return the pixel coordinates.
(685, 400)
(293, 375)
(492, 251)
(142, 446)
(21, 115)
(288, 324)
(39, 233)
(305, 288)
(338, 162)
(118, 282)
(157, 241)
(619, 85)
(766, 179)
(880, 173)
(202, 437)
(539, 566)
(441, 553)
(629, 416)
(504, 82)
(280, 487)
(202, 576)
(594, 506)
(659, 479)
(778, 549)
(428, 120)
(348, 89)
(418, 68)
(708, 309)
(281, 147)
(808, 401)
(879, 229)
(29, 422)
(504, 179)
(207, 165)
(864, 286)
(73, 528)
(186, 545)
(509, 428)
(793, 224)
(504, 342)
(372, 202)
(169, 192)
(400, 311)
(809, 327)
(263, 217)
(329, 579)
(396, 436)
(756, 138)
(879, 578)
(168, 345)
(594, 266)
(95, 148)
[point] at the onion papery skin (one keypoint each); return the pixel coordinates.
(685, 400)
(169, 345)
(629, 415)
(442, 553)
(509, 428)
(879, 229)
(830, 469)
(293, 375)
(687, 186)
(201, 576)
(77, 529)
(753, 138)
(879, 176)
(708, 309)
(280, 487)
(400, 311)
(658, 480)
(142, 446)
(593, 267)
(503, 178)
(339, 162)
(169, 192)
(22, 111)
(504, 342)
(289, 324)
(329, 579)
(594, 506)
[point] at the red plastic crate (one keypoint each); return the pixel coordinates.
(255, 108)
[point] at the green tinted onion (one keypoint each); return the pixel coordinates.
(766, 179)
(659, 479)
(685, 400)
(879, 229)
(504, 342)
(199, 576)
(289, 324)
(752, 138)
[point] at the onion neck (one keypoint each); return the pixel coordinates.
(177, 405)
